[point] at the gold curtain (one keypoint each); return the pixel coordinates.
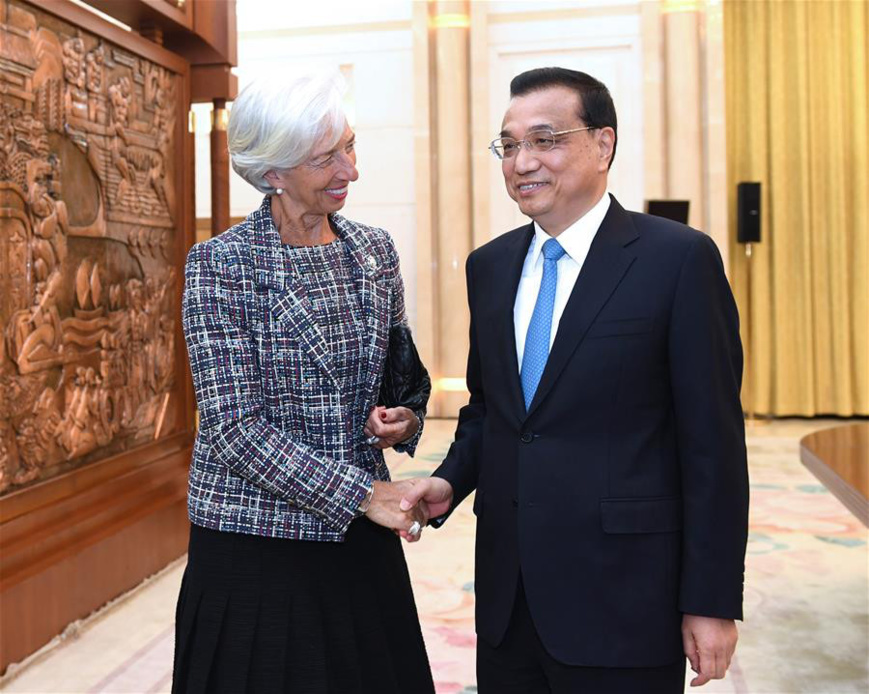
(797, 91)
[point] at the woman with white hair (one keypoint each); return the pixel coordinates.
(296, 580)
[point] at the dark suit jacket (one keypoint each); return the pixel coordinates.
(622, 494)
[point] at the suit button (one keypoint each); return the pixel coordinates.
(515, 502)
(527, 437)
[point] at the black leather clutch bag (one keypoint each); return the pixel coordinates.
(406, 382)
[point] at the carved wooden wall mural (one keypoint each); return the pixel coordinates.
(88, 290)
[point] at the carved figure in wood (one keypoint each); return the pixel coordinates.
(76, 431)
(94, 70)
(73, 62)
(35, 436)
(119, 95)
(75, 76)
(35, 335)
(49, 219)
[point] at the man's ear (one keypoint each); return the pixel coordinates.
(606, 142)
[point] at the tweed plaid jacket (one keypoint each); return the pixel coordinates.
(280, 450)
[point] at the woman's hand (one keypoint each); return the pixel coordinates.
(385, 509)
(391, 425)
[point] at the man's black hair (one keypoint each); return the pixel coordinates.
(596, 105)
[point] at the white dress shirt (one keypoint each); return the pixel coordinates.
(575, 240)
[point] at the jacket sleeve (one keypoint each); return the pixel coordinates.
(226, 379)
(461, 467)
(399, 317)
(705, 356)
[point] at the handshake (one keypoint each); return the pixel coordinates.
(406, 506)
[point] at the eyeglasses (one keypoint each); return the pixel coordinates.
(538, 141)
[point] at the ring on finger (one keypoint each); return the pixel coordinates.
(371, 440)
(415, 529)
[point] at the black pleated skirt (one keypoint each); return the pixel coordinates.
(265, 615)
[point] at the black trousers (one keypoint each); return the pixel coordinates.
(521, 665)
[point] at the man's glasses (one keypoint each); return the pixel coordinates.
(537, 141)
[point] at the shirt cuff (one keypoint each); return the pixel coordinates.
(409, 446)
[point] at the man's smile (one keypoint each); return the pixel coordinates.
(530, 187)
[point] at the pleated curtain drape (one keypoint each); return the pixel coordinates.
(797, 100)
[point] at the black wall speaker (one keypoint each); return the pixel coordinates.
(748, 212)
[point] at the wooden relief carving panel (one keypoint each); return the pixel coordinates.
(88, 291)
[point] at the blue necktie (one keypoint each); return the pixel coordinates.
(540, 328)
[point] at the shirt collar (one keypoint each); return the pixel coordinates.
(576, 239)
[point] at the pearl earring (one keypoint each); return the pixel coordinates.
(279, 191)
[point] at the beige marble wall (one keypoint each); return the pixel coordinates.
(442, 150)
(684, 97)
(715, 149)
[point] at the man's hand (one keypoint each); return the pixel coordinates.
(709, 645)
(433, 493)
(384, 509)
(391, 425)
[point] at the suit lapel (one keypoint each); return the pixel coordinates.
(603, 269)
(514, 260)
(288, 300)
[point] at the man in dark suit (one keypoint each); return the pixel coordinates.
(604, 434)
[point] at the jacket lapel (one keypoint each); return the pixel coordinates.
(374, 298)
(288, 300)
(515, 254)
(603, 269)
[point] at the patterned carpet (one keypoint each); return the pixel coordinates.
(807, 594)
